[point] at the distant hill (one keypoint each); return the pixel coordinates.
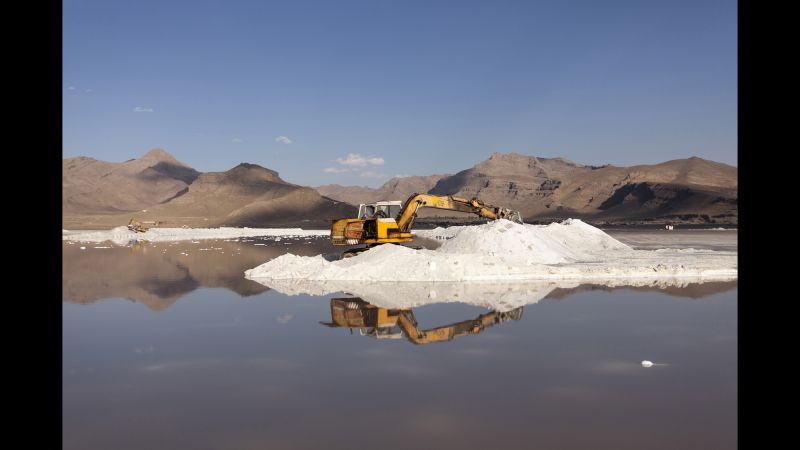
(556, 187)
(92, 186)
(157, 187)
(397, 188)
(681, 190)
(250, 195)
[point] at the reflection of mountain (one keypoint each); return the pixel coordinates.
(393, 323)
(147, 277)
(504, 296)
(157, 275)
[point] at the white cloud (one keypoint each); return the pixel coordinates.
(142, 109)
(369, 174)
(236, 140)
(405, 175)
(283, 140)
(71, 88)
(88, 90)
(356, 160)
(335, 170)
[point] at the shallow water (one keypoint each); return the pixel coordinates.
(168, 346)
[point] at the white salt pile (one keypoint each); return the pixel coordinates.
(571, 240)
(504, 250)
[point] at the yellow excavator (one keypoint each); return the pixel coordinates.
(383, 323)
(386, 222)
(136, 226)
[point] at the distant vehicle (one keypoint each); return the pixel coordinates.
(136, 226)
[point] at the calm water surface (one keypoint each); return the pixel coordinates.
(167, 346)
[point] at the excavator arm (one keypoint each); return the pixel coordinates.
(448, 202)
(407, 323)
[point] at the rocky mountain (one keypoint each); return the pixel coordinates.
(92, 186)
(555, 187)
(104, 194)
(397, 188)
(250, 195)
(158, 188)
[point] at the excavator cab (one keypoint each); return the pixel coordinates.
(355, 313)
(380, 210)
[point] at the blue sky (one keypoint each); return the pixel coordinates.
(354, 92)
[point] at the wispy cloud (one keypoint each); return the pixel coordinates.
(140, 109)
(356, 160)
(283, 140)
(236, 140)
(370, 174)
(88, 90)
(335, 170)
(71, 88)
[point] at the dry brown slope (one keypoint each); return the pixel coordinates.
(248, 195)
(552, 187)
(685, 186)
(92, 186)
(512, 180)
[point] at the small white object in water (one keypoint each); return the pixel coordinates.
(646, 363)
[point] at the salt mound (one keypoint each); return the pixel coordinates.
(571, 240)
(504, 250)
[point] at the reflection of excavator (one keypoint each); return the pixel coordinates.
(377, 223)
(383, 323)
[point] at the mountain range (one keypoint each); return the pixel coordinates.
(681, 190)
(158, 187)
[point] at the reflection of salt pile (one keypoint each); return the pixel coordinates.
(504, 250)
(495, 296)
(502, 296)
(122, 235)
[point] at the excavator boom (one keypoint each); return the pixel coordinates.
(448, 202)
